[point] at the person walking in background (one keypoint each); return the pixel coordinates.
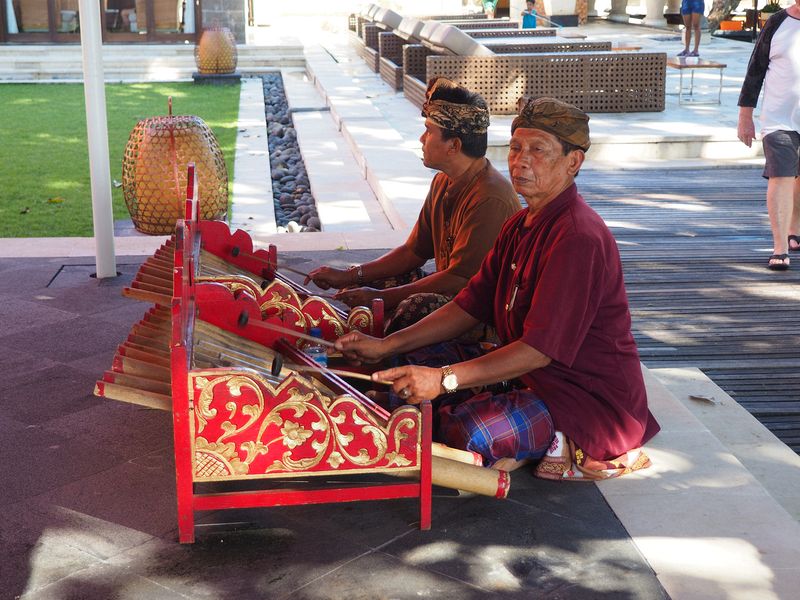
(775, 63)
(488, 8)
(529, 16)
(692, 12)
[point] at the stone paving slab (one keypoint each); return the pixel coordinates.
(252, 209)
(329, 161)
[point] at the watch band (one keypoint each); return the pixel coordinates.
(449, 380)
(359, 273)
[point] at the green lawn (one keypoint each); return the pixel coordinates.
(44, 165)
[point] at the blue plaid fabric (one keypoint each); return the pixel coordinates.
(514, 424)
(496, 423)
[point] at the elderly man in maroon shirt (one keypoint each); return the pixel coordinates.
(552, 287)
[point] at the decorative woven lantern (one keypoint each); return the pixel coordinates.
(154, 171)
(216, 52)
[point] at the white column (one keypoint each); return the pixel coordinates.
(655, 14)
(97, 134)
(619, 11)
(11, 17)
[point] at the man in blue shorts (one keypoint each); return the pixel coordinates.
(692, 11)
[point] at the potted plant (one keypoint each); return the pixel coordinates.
(766, 12)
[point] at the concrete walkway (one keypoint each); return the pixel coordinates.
(89, 492)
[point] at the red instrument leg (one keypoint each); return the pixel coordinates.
(425, 468)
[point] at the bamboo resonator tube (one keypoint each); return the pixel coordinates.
(463, 476)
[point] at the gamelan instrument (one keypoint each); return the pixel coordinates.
(240, 413)
(229, 258)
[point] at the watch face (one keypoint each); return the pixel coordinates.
(450, 382)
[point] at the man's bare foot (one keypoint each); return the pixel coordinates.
(794, 243)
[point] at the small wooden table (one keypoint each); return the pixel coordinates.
(692, 63)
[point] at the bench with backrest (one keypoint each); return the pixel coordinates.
(441, 40)
(594, 80)
(390, 50)
(415, 31)
(432, 35)
(504, 32)
(366, 15)
(384, 20)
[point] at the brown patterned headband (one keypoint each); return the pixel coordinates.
(461, 118)
(556, 117)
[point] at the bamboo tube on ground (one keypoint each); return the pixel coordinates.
(468, 478)
(465, 456)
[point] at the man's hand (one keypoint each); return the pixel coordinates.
(746, 130)
(359, 348)
(362, 296)
(413, 383)
(328, 277)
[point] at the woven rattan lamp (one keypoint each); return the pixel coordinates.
(216, 52)
(154, 171)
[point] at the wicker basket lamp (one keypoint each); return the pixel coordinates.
(154, 171)
(216, 52)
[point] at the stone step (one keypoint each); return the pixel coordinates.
(152, 63)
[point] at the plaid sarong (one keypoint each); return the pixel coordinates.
(499, 422)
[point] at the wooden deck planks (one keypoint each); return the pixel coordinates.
(694, 246)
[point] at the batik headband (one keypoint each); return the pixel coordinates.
(566, 122)
(461, 118)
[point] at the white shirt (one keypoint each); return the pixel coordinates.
(781, 106)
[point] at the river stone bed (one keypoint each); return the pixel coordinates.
(295, 209)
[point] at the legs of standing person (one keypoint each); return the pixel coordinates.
(694, 22)
(692, 13)
(794, 224)
(782, 154)
(687, 34)
(780, 205)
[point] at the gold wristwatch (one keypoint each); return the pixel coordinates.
(449, 380)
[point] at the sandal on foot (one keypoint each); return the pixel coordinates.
(796, 240)
(682, 53)
(779, 266)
